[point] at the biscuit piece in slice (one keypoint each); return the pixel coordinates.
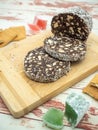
(41, 67)
(65, 48)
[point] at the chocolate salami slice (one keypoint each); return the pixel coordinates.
(74, 23)
(41, 67)
(65, 49)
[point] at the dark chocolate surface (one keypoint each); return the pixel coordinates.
(71, 25)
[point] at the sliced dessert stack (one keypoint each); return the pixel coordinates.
(71, 30)
(68, 43)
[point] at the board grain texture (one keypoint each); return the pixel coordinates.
(20, 94)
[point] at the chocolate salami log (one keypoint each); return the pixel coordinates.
(41, 67)
(65, 48)
(74, 22)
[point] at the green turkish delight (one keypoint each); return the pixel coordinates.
(53, 118)
(76, 107)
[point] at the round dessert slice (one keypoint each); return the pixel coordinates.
(41, 67)
(65, 48)
(74, 22)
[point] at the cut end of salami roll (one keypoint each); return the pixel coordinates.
(74, 22)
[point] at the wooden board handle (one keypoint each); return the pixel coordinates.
(15, 87)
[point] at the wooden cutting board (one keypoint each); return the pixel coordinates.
(21, 94)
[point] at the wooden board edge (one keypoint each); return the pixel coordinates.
(30, 98)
